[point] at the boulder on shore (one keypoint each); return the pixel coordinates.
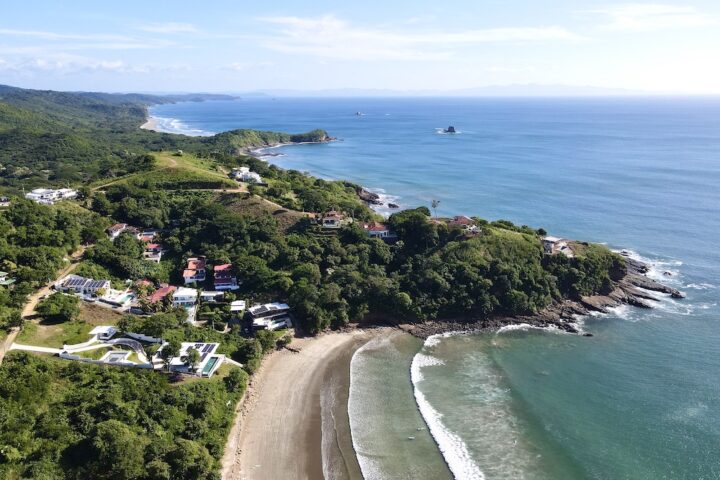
(368, 197)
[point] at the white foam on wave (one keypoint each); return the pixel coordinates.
(174, 125)
(658, 268)
(441, 131)
(701, 286)
(386, 199)
(524, 327)
(452, 447)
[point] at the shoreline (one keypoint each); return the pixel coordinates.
(293, 420)
(151, 124)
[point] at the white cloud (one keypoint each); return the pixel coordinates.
(45, 35)
(66, 63)
(245, 66)
(646, 16)
(331, 37)
(503, 69)
(169, 27)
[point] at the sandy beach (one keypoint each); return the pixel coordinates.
(151, 124)
(293, 423)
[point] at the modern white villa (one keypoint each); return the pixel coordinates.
(5, 279)
(270, 316)
(103, 332)
(48, 196)
(206, 367)
(184, 297)
(85, 287)
(4, 202)
(243, 174)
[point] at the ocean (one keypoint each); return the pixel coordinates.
(638, 400)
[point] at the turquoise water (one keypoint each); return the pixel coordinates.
(639, 400)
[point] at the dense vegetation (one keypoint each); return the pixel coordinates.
(67, 420)
(34, 240)
(60, 137)
(433, 271)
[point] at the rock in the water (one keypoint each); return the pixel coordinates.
(587, 334)
(393, 205)
(369, 197)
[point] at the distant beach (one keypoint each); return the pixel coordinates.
(151, 124)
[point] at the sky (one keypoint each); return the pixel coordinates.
(413, 46)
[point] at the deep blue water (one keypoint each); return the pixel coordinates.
(640, 399)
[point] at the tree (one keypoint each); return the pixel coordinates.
(59, 307)
(435, 204)
(170, 351)
(118, 452)
(236, 381)
(192, 358)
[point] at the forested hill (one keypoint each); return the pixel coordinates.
(49, 137)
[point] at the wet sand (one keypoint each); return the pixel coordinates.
(294, 422)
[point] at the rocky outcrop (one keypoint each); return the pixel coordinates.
(368, 197)
(630, 289)
(393, 205)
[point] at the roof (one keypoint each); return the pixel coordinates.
(2, 274)
(185, 292)
(152, 246)
(117, 227)
(161, 293)
(100, 329)
(187, 273)
(375, 227)
(461, 220)
(237, 306)
(552, 239)
(334, 214)
(225, 266)
(268, 308)
(196, 263)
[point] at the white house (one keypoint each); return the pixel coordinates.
(48, 196)
(104, 332)
(5, 280)
(210, 296)
(195, 271)
(184, 297)
(237, 306)
(224, 278)
(4, 202)
(206, 367)
(82, 286)
(553, 245)
(243, 174)
(153, 252)
(377, 230)
(333, 219)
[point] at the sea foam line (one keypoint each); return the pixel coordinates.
(452, 447)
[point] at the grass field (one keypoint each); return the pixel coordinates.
(55, 335)
(257, 206)
(178, 172)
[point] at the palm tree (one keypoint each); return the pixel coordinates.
(435, 204)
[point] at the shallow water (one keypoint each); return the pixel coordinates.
(640, 399)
